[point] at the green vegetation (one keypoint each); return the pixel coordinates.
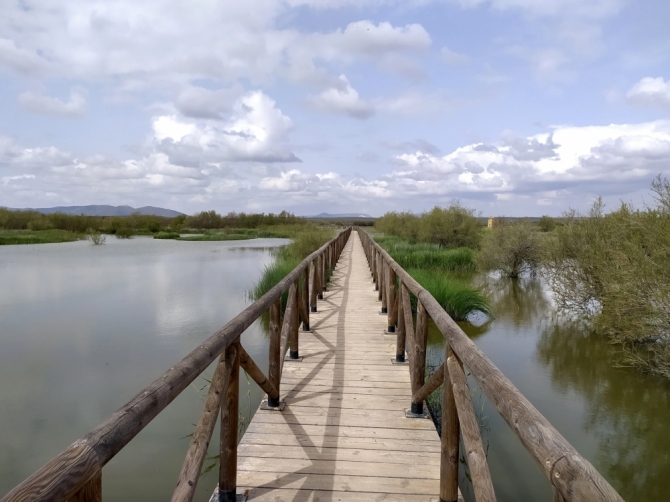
(428, 256)
(616, 268)
(33, 227)
(512, 249)
(95, 237)
(306, 239)
(451, 227)
(37, 237)
(166, 235)
(433, 246)
(456, 297)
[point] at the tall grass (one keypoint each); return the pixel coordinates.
(457, 298)
(428, 256)
(306, 240)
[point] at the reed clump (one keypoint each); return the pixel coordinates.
(306, 239)
(456, 297)
(428, 256)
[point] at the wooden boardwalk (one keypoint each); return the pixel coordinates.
(343, 434)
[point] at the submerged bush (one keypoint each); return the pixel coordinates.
(457, 298)
(616, 267)
(511, 249)
(95, 237)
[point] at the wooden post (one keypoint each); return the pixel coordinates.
(472, 439)
(419, 357)
(391, 302)
(91, 491)
(385, 287)
(319, 271)
(230, 398)
(274, 366)
(323, 271)
(450, 438)
(293, 326)
(380, 278)
(304, 298)
(313, 285)
(375, 266)
(400, 339)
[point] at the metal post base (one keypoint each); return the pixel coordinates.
(417, 411)
(391, 329)
(313, 309)
(320, 296)
(268, 406)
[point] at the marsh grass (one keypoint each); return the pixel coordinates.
(166, 235)
(428, 256)
(8, 237)
(306, 240)
(456, 297)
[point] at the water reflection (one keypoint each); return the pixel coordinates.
(83, 328)
(615, 417)
(624, 410)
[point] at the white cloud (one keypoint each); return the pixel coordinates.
(343, 99)
(20, 60)
(610, 159)
(198, 102)
(39, 103)
(649, 91)
(454, 58)
(254, 131)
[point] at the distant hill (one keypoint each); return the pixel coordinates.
(103, 210)
(341, 215)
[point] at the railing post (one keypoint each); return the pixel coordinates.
(322, 286)
(419, 357)
(380, 277)
(274, 366)
(313, 285)
(304, 298)
(91, 491)
(293, 326)
(229, 424)
(391, 304)
(375, 266)
(384, 286)
(400, 339)
(449, 438)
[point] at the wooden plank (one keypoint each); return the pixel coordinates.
(339, 483)
(392, 456)
(340, 468)
(430, 446)
(292, 495)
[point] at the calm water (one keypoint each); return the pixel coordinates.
(83, 328)
(615, 417)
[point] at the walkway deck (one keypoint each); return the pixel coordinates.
(343, 435)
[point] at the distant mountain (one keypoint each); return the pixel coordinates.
(107, 210)
(341, 215)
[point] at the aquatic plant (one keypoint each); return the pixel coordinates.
(456, 297)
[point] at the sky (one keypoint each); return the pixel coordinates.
(512, 107)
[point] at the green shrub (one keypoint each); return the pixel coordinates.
(166, 235)
(511, 249)
(616, 268)
(451, 227)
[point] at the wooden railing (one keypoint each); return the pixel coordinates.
(571, 476)
(76, 474)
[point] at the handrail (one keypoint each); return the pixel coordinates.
(79, 466)
(571, 475)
